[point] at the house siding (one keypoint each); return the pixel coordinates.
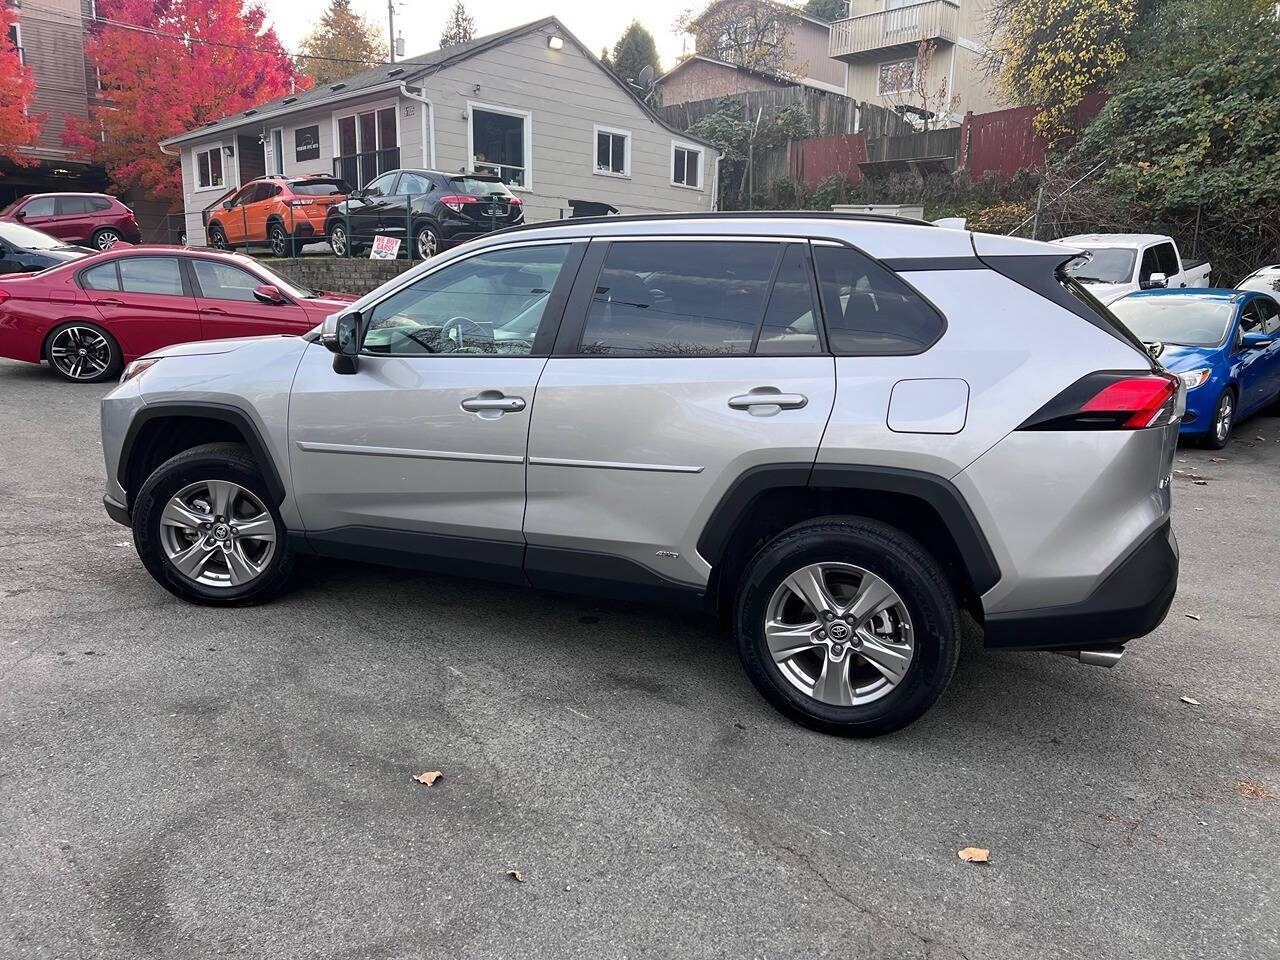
(53, 47)
(566, 94)
(811, 46)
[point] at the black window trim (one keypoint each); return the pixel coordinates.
(183, 272)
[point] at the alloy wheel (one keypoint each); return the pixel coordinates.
(218, 533)
(278, 241)
(428, 244)
(338, 240)
(217, 239)
(839, 634)
(107, 239)
(80, 353)
(1222, 423)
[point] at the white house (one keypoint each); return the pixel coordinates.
(531, 102)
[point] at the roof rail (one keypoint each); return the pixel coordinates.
(723, 215)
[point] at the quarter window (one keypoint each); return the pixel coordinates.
(489, 304)
(686, 166)
(102, 277)
(154, 275)
(209, 168)
(679, 298)
(613, 152)
(869, 310)
(221, 281)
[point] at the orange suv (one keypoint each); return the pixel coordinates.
(282, 212)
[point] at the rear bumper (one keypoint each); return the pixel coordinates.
(1129, 603)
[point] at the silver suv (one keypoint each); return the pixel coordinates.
(837, 433)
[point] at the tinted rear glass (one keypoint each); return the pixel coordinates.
(869, 310)
(72, 205)
(99, 204)
(478, 186)
(320, 188)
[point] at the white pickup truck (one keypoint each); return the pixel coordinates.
(1121, 263)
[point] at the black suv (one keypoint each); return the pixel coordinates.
(429, 209)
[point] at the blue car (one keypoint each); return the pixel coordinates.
(1224, 344)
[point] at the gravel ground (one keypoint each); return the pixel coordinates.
(185, 782)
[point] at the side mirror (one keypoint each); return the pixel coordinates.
(355, 195)
(269, 293)
(20, 215)
(1256, 341)
(1157, 281)
(341, 335)
(227, 205)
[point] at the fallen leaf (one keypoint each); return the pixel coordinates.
(1263, 439)
(1192, 616)
(1255, 791)
(1217, 459)
(516, 875)
(1201, 483)
(975, 855)
(1191, 700)
(430, 777)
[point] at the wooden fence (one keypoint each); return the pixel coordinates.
(829, 113)
(1005, 141)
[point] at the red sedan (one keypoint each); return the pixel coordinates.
(90, 317)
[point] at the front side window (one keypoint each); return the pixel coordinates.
(1251, 318)
(1167, 258)
(869, 310)
(613, 152)
(380, 187)
(209, 168)
(1150, 265)
(676, 298)
(489, 304)
(154, 275)
(498, 145)
(39, 207)
(686, 166)
(220, 281)
(1270, 316)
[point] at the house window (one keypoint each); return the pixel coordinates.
(898, 76)
(209, 168)
(500, 142)
(368, 145)
(15, 40)
(686, 165)
(613, 152)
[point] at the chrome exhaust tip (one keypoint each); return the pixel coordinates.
(1097, 656)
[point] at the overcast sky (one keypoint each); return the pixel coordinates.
(595, 23)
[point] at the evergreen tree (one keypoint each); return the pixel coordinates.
(459, 29)
(348, 41)
(634, 51)
(829, 10)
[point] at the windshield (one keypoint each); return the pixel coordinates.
(28, 239)
(320, 188)
(478, 186)
(1188, 321)
(1104, 265)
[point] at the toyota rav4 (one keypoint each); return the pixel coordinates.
(837, 433)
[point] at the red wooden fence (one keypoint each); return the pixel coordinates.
(811, 160)
(1004, 141)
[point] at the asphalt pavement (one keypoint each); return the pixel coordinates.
(177, 781)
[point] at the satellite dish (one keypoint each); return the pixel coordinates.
(645, 80)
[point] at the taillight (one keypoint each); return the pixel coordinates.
(4, 295)
(457, 201)
(1111, 401)
(515, 201)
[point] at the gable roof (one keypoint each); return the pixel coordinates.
(762, 74)
(391, 76)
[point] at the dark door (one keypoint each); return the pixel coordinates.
(144, 302)
(395, 216)
(73, 218)
(228, 307)
(367, 211)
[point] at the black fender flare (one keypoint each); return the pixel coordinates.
(222, 412)
(936, 491)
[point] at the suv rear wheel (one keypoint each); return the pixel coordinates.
(281, 245)
(105, 239)
(206, 528)
(848, 626)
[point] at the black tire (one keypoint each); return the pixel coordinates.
(281, 244)
(907, 568)
(210, 461)
(109, 352)
(218, 237)
(1216, 438)
(105, 239)
(426, 241)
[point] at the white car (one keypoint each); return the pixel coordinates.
(1119, 264)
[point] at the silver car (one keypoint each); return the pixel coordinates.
(834, 432)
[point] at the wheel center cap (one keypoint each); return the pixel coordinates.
(221, 531)
(839, 631)
(82, 351)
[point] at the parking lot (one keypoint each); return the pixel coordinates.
(180, 781)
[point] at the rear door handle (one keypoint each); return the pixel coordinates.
(491, 404)
(218, 311)
(766, 401)
(111, 302)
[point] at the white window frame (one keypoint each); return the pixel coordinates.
(275, 168)
(227, 183)
(911, 82)
(524, 115)
(16, 27)
(354, 112)
(596, 130)
(702, 162)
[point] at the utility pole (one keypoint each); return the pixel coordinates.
(391, 28)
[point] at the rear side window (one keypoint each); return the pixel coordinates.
(869, 310)
(679, 298)
(414, 183)
(72, 205)
(103, 277)
(155, 275)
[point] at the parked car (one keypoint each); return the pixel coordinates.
(1264, 279)
(24, 250)
(1120, 263)
(90, 219)
(284, 213)
(1223, 344)
(88, 318)
(835, 431)
(428, 209)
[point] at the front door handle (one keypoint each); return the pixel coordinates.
(766, 401)
(216, 311)
(491, 404)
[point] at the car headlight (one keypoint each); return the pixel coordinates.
(135, 368)
(1194, 378)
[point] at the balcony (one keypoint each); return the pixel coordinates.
(878, 30)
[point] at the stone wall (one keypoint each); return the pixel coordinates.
(353, 275)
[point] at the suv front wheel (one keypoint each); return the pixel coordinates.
(206, 528)
(847, 625)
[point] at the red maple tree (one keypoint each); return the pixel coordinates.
(18, 128)
(168, 66)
